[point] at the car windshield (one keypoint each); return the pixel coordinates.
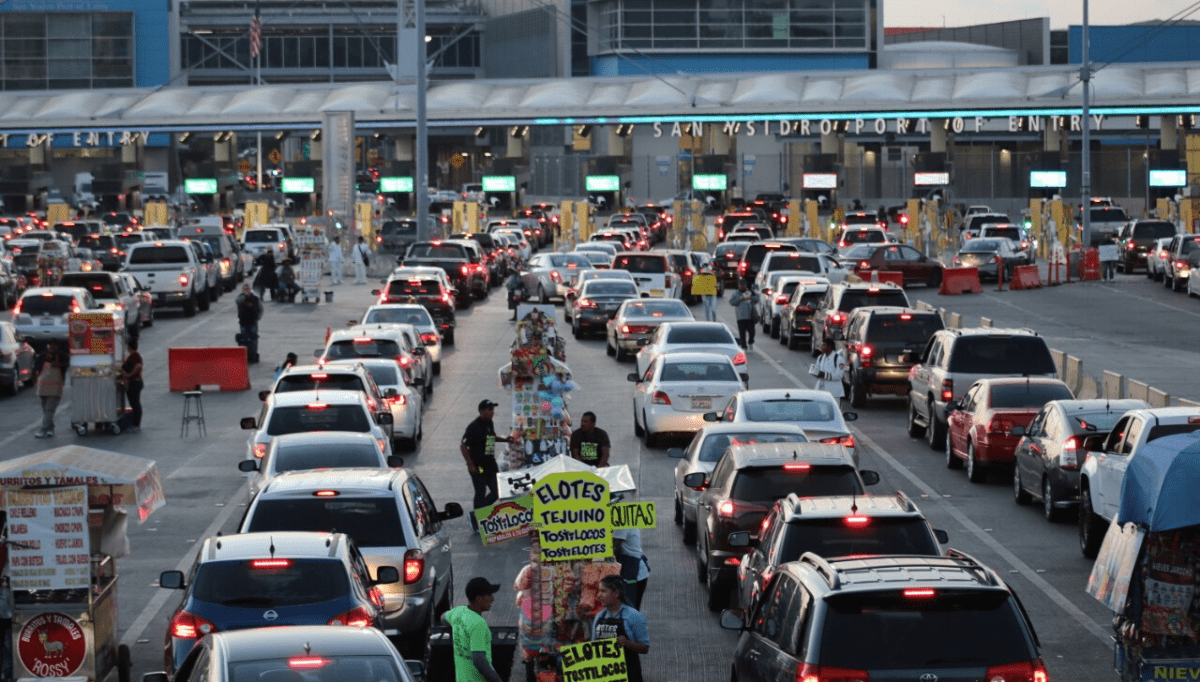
(333, 669)
(301, 456)
(318, 417)
(319, 380)
(831, 537)
(301, 581)
(790, 410)
(612, 288)
(1007, 354)
(888, 631)
(907, 330)
(698, 372)
(418, 317)
(854, 298)
(156, 255)
(982, 246)
(863, 236)
(1157, 229)
(363, 348)
(648, 264)
(568, 260)
(716, 335)
(656, 309)
(1094, 422)
(38, 304)
(715, 445)
(1027, 394)
(766, 484)
(371, 521)
(455, 251)
(261, 236)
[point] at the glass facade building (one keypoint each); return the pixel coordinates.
(66, 50)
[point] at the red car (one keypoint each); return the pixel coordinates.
(915, 266)
(979, 426)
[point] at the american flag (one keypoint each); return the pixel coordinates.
(255, 34)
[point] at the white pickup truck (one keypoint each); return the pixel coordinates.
(173, 271)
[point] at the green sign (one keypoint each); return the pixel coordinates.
(200, 186)
(505, 521)
(603, 183)
(499, 183)
(570, 511)
(712, 183)
(601, 660)
(299, 186)
(395, 184)
(634, 515)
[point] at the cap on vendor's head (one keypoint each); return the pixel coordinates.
(486, 404)
(480, 587)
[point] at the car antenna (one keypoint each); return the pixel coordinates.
(307, 648)
(272, 547)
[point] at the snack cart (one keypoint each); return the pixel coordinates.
(1148, 569)
(97, 345)
(311, 247)
(66, 527)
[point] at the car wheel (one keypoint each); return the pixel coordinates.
(952, 460)
(1051, 512)
(651, 437)
(575, 331)
(792, 342)
(1175, 284)
(678, 513)
(1149, 273)
(437, 368)
(149, 318)
(608, 348)
(915, 430)
(1020, 496)
(935, 279)
(14, 384)
(620, 354)
(189, 307)
(718, 593)
(214, 293)
(637, 428)
(542, 298)
(858, 394)
(936, 433)
(701, 561)
(1091, 526)
(448, 338)
(775, 324)
(689, 532)
(785, 335)
(204, 302)
(976, 472)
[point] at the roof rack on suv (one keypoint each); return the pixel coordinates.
(905, 503)
(832, 574)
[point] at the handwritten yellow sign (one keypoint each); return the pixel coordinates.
(704, 285)
(633, 515)
(570, 511)
(598, 661)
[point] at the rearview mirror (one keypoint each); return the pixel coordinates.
(351, 323)
(155, 677)
(695, 480)
(418, 351)
(942, 536)
(249, 423)
(375, 292)
(390, 393)
(317, 352)
(395, 461)
(386, 575)
(850, 416)
(263, 395)
(745, 377)
(739, 538)
(869, 477)
(248, 465)
(452, 510)
(633, 376)
(172, 580)
(732, 619)
(642, 342)
(675, 453)
(385, 418)
(838, 335)
(1017, 431)
(712, 417)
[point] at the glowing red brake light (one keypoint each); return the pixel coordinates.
(920, 592)
(797, 466)
(660, 398)
(739, 359)
(1025, 671)
(414, 566)
(189, 626)
(270, 563)
(326, 493)
(318, 376)
(317, 406)
(362, 339)
(857, 521)
(358, 617)
(308, 663)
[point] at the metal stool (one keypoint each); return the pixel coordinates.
(193, 411)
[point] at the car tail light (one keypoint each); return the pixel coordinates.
(397, 400)
(739, 359)
(308, 663)
(465, 270)
(905, 316)
(1162, 254)
(1000, 425)
(270, 563)
(382, 444)
(183, 280)
(661, 398)
(404, 361)
(75, 307)
(358, 617)
(1181, 265)
(668, 281)
(797, 466)
(947, 390)
(837, 318)
(810, 672)
(781, 300)
(1072, 455)
(729, 509)
(635, 328)
(1025, 671)
(17, 308)
(325, 493)
(865, 353)
(414, 566)
(260, 450)
(317, 406)
(555, 277)
(920, 593)
(847, 441)
(857, 521)
(585, 303)
(1130, 245)
(429, 338)
(742, 265)
(190, 626)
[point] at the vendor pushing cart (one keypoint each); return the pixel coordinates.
(97, 345)
(66, 527)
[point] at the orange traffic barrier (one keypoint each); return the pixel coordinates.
(896, 278)
(1091, 265)
(223, 367)
(1026, 277)
(960, 281)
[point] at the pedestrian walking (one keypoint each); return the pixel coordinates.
(635, 568)
(743, 302)
(51, 369)
(478, 448)
(287, 282)
(828, 369)
(622, 622)
(706, 282)
(1110, 253)
(131, 379)
(471, 635)
(266, 281)
(589, 444)
(249, 312)
(289, 361)
(336, 265)
(361, 257)
(516, 291)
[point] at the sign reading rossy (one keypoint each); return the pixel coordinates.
(571, 514)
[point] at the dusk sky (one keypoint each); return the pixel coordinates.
(1062, 14)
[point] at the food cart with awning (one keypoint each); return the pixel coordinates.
(66, 526)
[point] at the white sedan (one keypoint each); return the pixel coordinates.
(817, 412)
(319, 450)
(416, 315)
(405, 401)
(691, 337)
(674, 393)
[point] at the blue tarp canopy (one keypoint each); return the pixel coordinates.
(1161, 489)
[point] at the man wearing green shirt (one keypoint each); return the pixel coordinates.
(472, 636)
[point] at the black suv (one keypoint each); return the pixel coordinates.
(829, 320)
(1137, 238)
(455, 260)
(898, 617)
(882, 343)
(395, 236)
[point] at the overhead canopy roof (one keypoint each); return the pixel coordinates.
(1117, 89)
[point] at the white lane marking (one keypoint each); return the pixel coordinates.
(156, 602)
(1101, 633)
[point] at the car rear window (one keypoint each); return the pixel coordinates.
(697, 371)
(456, 251)
(766, 484)
(977, 222)
(730, 250)
(700, 335)
(393, 228)
(855, 298)
(831, 537)
(982, 246)
(755, 253)
(383, 374)
(955, 628)
(1027, 394)
(716, 445)
(905, 329)
(648, 264)
(1153, 230)
(97, 241)
(46, 305)
(319, 380)
(863, 237)
(413, 287)
(124, 240)
(1188, 245)
(790, 410)
(418, 317)
(25, 260)
(794, 262)
(154, 255)
(101, 286)
(1163, 430)
(809, 300)
(374, 668)
(301, 456)
(656, 309)
(1001, 354)
(371, 521)
(304, 418)
(1006, 232)
(1109, 214)
(568, 260)
(363, 348)
(262, 236)
(611, 289)
(238, 584)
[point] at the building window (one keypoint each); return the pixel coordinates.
(66, 50)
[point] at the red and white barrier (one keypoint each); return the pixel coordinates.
(957, 281)
(1026, 277)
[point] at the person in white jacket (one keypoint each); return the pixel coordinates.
(828, 369)
(336, 267)
(361, 257)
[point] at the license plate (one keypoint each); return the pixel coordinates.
(656, 292)
(701, 403)
(47, 321)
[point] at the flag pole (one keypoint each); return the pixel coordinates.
(258, 81)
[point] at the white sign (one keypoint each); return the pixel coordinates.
(48, 539)
(820, 181)
(927, 179)
(664, 165)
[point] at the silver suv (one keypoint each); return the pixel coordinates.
(41, 314)
(955, 359)
(391, 516)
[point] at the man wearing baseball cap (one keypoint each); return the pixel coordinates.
(471, 635)
(478, 448)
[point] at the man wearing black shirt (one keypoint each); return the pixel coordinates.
(478, 448)
(589, 444)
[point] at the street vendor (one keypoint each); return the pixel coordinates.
(471, 635)
(51, 370)
(590, 444)
(620, 621)
(478, 448)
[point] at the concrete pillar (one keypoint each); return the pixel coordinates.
(939, 137)
(515, 146)
(316, 150)
(720, 143)
(220, 152)
(1168, 136)
(1052, 139)
(129, 152)
(37, 155)
(403, 148)
(831, 143)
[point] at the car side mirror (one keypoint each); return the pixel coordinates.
(733, 619)
(642, 342)
(418, 381)
(375, 292)
(1017, 431)
(385, 418)
(317, 352)
(395, 461)
(675, 453)
(452, 510)
(386, 575)
(248, 465)
(263, 395)
(712, 417)
(696, 480)
(745, 377)
(248, 423)
(155, 677)
(740, 538)
(418, 351)
(953, 406)
(850, 416)
(1094, 443)
(390, 393)
(634, 377)
(416, 668)
(908, 358)
(869, 477)
(942, 536)
(351, 323)
(172, 580)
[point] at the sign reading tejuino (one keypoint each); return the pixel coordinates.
(570, 511)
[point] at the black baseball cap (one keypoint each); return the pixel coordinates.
(479, 587)
(484, 404)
